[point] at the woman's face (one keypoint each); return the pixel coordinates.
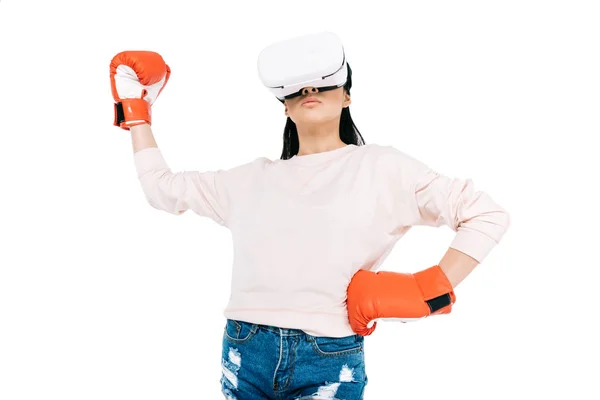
(314, 107)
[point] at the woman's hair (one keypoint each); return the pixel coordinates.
(349, 133)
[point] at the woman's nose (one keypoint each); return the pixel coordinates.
(309, 90)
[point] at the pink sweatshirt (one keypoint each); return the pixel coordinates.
(302, 227)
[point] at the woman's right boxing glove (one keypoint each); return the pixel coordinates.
(136, 80)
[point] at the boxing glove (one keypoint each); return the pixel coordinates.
(392, 295)
(136, 79)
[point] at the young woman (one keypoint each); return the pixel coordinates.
(309, 231)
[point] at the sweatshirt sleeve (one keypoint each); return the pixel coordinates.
(434, 199)
(206, 193)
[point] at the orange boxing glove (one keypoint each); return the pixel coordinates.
(136, 80)
(393, 295)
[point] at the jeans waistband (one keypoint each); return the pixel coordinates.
(282, 331)
(277, 330)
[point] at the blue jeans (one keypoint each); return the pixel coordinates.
(267, 362)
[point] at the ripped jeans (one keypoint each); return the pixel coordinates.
(267, 362)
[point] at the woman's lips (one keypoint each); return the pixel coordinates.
(310, 103)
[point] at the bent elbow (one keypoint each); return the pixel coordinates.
(160, 193)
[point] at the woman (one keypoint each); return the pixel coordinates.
(309, 230)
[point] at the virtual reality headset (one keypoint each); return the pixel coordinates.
(315, 60)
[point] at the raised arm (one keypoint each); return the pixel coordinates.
(137, 78)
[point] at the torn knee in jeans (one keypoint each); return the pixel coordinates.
(329, 390)
(230, 368)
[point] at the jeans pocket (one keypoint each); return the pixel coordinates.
(239, 332)
(331, 346)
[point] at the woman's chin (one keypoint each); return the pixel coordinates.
(311, 118)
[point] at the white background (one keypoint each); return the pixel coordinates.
(104, 297)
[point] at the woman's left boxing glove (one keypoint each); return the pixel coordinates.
(394, 295)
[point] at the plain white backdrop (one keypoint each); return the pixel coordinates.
(104, 297)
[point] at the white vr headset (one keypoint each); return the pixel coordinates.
(315, 60)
